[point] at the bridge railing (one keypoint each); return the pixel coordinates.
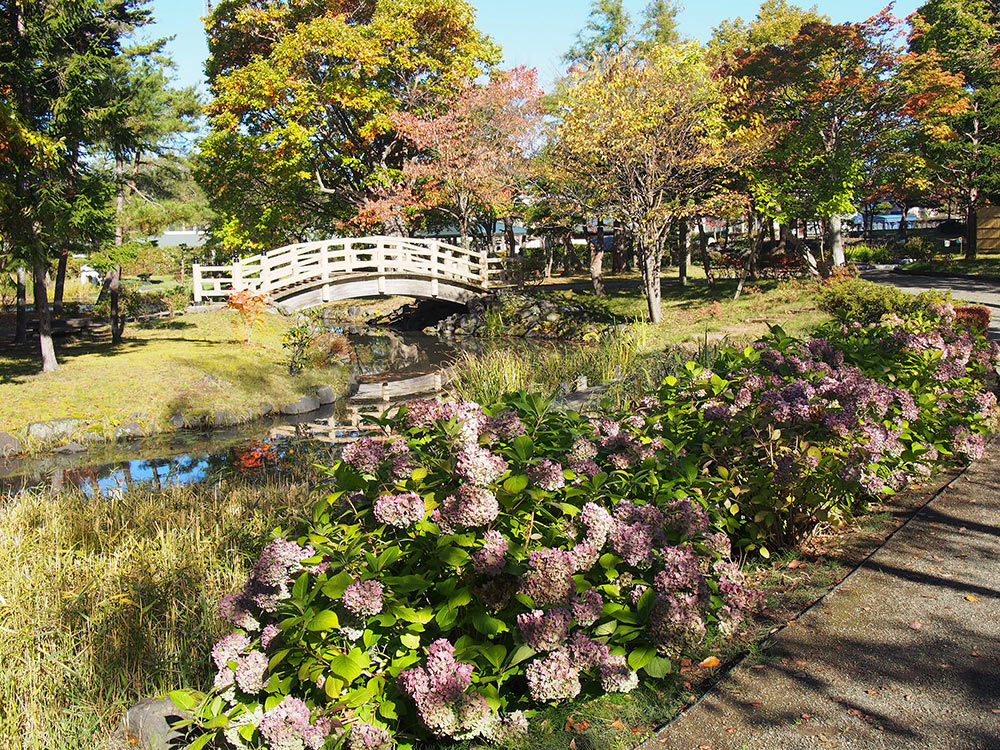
(308, 263)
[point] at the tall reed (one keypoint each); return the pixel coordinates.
(105, 601)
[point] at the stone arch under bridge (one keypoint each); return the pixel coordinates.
(308, 274)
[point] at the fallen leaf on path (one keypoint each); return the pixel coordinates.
(711, 661)
(806, 717)
(617, 724)
(916, 625)
(938, 559)
(796, 564)
(975, 655)
(971, 598)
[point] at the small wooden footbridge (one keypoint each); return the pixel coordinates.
(296, 277)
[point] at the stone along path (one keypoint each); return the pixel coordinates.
(905, 653)
(976, 291)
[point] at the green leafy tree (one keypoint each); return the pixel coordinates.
(51, 54)
(965, 35)
(142, 118)
(301, 131)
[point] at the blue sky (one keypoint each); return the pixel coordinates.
(532, 32)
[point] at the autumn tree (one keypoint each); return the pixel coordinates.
(965, 35)
(828, 94)
(650, 128)
(301, 129)
(470, 156)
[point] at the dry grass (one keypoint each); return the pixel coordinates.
(107, 601)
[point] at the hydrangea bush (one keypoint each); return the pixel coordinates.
(478, 563)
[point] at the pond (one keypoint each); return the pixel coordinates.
(390, 367)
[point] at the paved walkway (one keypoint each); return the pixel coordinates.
(977, 291)
(905, 653)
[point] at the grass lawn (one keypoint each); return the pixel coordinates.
(185, 364)
(987, 264)
(689, 312)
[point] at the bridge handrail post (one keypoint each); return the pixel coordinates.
(237, 278)
(196, 278)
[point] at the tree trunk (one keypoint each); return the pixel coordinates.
(706, 262)
(597, 261)
(568, 253)
(649, 263)
(547, 243)
(836, 236)
(21, 334)
(57, 293)
(971, 227)
(49, 362)
(616, 248)
(903, 208)
(756, 237)
(683, 252)
(114, 289)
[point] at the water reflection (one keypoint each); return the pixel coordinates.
(389, 367)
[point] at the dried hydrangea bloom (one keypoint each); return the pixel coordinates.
(364, 598)
(597, 522)
(365, 736)
(365, 455)
(582, 450)
(401, 510)
(680, 572)
(268, 634)
(675, 625)
(250, 670)
(547, 474)
(637, 529)
(470, 506)
(508, 729)
(490, 558)
(587, 652)
(544, 631)
(287, 726)
(588, 469)
(616, 677)
(232, 609)
(228, 648)
(507, 425)
(967, 443)
(553, 677)
(549, 578)
(479, 466)
(587, 609)
(686, 516)
(439, 691)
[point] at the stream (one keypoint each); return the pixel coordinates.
(391, 367)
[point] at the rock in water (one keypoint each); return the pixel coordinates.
(325, 394)
(9, 445)
(54, 429)
(304, 405)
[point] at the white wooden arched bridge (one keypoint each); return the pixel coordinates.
(312, 273)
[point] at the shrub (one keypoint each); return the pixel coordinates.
(856, 300)
(529, 554)
(862, 253)
(310, 343)
(919, 248)
(478, 563)
(249, 308)
(976, 319)
(134, 303)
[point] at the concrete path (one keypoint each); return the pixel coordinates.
(977, 291)
(905, 653)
